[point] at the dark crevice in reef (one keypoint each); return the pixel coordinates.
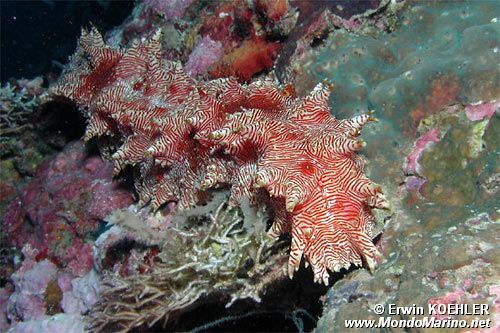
(120, 251)
(320, 40)
(126, 180)
(59, 122)
(287, 306)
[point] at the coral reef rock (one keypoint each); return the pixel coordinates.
(59, 210)
(436, 54)
(434, 79)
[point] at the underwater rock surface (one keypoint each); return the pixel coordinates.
(438, 53)
(60, 208)
(433, 82)
(430, 71)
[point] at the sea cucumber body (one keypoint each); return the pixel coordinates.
(185, 136)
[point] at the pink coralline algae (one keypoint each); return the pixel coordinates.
(414, 181)
(78, 257)
(454, 297)
(58, 323)
(480, 111)
(495, 290)
(170, 9)
(39, 288)
(30, 282)
(422, 143)
(84, 293)
(62, 205)
(206, 53)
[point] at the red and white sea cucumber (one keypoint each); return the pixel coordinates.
(185, 136)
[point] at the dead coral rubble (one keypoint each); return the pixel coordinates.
(220, 256)
(17, 102)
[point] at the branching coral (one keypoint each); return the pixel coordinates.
(228, 258)
(185, 137)
(16, 106)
